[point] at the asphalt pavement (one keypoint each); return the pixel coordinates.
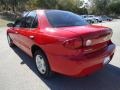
(18, 72)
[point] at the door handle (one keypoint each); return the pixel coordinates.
(31, 37)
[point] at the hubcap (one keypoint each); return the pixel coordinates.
(40, 64)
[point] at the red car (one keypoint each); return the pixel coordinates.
(62, 42)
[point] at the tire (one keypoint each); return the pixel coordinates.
(92, 22)
(10, 42)
(42, 64)
(97, 21)
(89, 22)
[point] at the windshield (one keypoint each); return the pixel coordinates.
(58, 18)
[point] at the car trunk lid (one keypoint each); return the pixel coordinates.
(98, 35)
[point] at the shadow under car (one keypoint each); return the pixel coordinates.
(105, 79)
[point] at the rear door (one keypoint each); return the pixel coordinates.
(27, 31)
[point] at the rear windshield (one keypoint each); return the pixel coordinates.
(58, 18)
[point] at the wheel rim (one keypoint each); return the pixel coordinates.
(40, 64)
(9, 40)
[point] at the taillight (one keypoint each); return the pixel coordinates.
(73, 43)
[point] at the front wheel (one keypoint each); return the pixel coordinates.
(10, 42)
(42, 64)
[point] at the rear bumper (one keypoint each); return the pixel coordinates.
(82, 64)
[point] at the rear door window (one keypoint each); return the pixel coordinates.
(30, 20)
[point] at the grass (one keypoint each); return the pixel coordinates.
(3, 22)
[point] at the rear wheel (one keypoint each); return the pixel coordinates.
(10, 42)
(42, 64)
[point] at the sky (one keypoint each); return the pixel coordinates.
(88, 3)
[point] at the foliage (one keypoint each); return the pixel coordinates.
(114, 8)
(21, 5)
(107, 7)
(99, 6)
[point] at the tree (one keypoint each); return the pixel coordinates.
(24, 5)
(114, 7)
(101, 6)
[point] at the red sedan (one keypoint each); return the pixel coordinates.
(62, 42)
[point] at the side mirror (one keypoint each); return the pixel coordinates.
(10, 25)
